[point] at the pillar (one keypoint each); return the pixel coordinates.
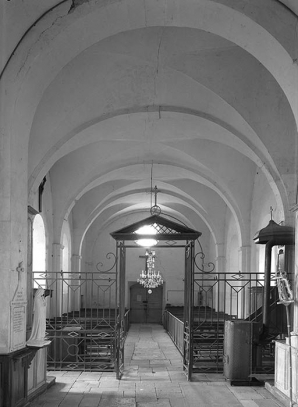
(56, 281)
(75, 282)
(245, 267)
(220, 267)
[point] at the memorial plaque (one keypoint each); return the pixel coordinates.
(18, 309)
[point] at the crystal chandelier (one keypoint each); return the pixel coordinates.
(149, 278)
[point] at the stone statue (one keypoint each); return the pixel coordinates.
(38, 333)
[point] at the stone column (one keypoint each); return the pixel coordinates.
(220, 266)
(244, 266)
(56, 283)
(244, 258)
(75, 282)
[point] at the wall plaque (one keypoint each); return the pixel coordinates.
(18, 310)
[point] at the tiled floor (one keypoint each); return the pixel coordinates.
(153, 377)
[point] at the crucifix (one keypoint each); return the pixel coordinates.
(150, 254)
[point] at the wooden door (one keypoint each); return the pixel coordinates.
(145, 307)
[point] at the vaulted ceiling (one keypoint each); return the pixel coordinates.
(190, 96)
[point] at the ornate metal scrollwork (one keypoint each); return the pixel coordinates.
(210, 265)
(99, 265)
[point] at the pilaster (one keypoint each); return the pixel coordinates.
(13, 246)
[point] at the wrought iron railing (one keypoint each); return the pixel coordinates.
(221, 297)
(82, 320)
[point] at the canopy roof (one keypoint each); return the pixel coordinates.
(280, 234)
(165, 230)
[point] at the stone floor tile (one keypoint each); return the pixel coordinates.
(92, 383)
(179, 403)
(172, 368)
(129, 393)
(52, 397)
(249, 403)
(72, 374)
(108, 393)
(250, 394)
(131, 377)
(108, 374)
(109, 384)
(90, 401)
(177, 376)
(90, 375)
(145, 399)
(117, 402)
(126, 385)
(201, 394)
(169, 392)
(269, 403)
(65, 379)
(148, 386)
(217, 384)
(71, 403)
(37, 403)
(158, 403)
(75, 391)
(81, 384)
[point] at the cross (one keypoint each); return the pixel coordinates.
(271, 210)
(146, 257)
(156, 191)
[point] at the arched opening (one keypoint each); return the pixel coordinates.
(39, 252)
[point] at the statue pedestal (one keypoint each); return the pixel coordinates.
(41, 343)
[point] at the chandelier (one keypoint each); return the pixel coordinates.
(149, 278)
